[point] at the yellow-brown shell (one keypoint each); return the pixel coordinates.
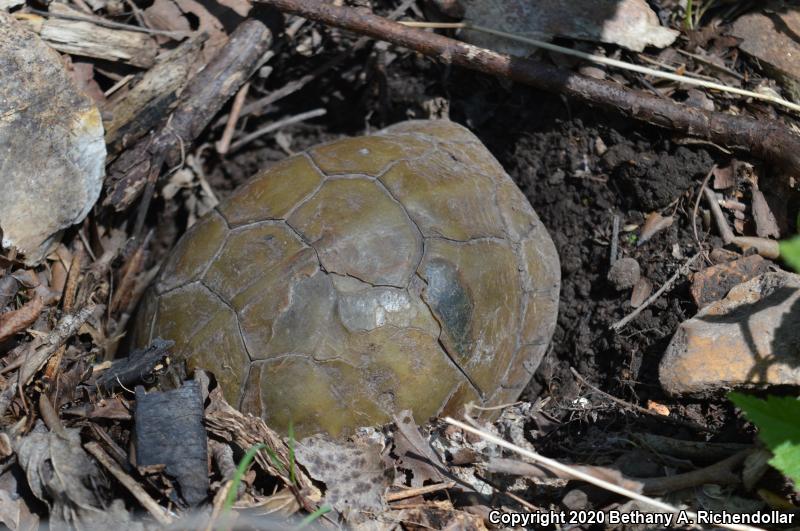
(402, 270)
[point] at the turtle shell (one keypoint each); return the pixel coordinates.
(401, 270)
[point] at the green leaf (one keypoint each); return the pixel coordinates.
(790, 252)
(778, 422)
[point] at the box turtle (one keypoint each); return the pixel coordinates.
(401, 270)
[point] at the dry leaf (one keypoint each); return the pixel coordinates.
(654, 223)
(355, 476)
(655, 407)
(15, 514)
(641, 290)
(444, 518)
(215, 18)
(723, 177)
(82, 73)
(629, 23)
(414, 452)
(766, 225)
(18, 320)
(60, 473)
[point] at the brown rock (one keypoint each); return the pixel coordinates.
(748, 339)
(713, 283)
(770, 37)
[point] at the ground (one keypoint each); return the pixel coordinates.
(584, 170)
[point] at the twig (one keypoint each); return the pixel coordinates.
(720, 473)
(706, 62)
(764, 246)
(634, 407)
(608, 61)
(768, 139)
(682, 270)
(577, 474)
(35, 358)
(174, 35)
(722, 224)
(129, 483)
(68, 301)
(697, 205)
(202, 98)
(227, 134)
(274, 126)
(410, 493)
(293, 86)
(614, 240)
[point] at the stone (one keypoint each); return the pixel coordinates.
(52, 150)
(750, 339)
(770, 37)
(624, 274)
(713, 283)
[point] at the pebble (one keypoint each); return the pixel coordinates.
(624, 274)
(713, 283)
(751, 338)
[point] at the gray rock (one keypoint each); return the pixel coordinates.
(52, 151)
(624, 274)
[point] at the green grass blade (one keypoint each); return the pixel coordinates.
(241, 470)
(291, 454)
(313, 517)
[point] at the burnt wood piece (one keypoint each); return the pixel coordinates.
(127, 372)
(169, 431)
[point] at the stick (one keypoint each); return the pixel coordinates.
(129, 483)
(410, 493)
(634, 407)
(583, 476)
(203, 97)
(224, 143)
(34, 359)
(767, 139)
(274, 126)
(682, 270)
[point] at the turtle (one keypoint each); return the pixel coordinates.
(402, 270)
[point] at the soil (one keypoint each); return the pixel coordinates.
(580, 167)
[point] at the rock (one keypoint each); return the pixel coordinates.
(628, 23)
(641, 291)
(749, 339)
(624, 274)
(713, 283)
(770, 38)
(51, 140)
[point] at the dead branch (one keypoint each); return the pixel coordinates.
(720, 473)
(38, 352)
(634, 407)
(203, 97)
(767, 139)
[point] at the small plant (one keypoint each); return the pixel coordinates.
(241, 470)
(778, 421)
(778, 418)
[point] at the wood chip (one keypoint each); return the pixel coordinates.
(80, 37)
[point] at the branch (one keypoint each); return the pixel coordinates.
(204, 96)
(767, 139)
